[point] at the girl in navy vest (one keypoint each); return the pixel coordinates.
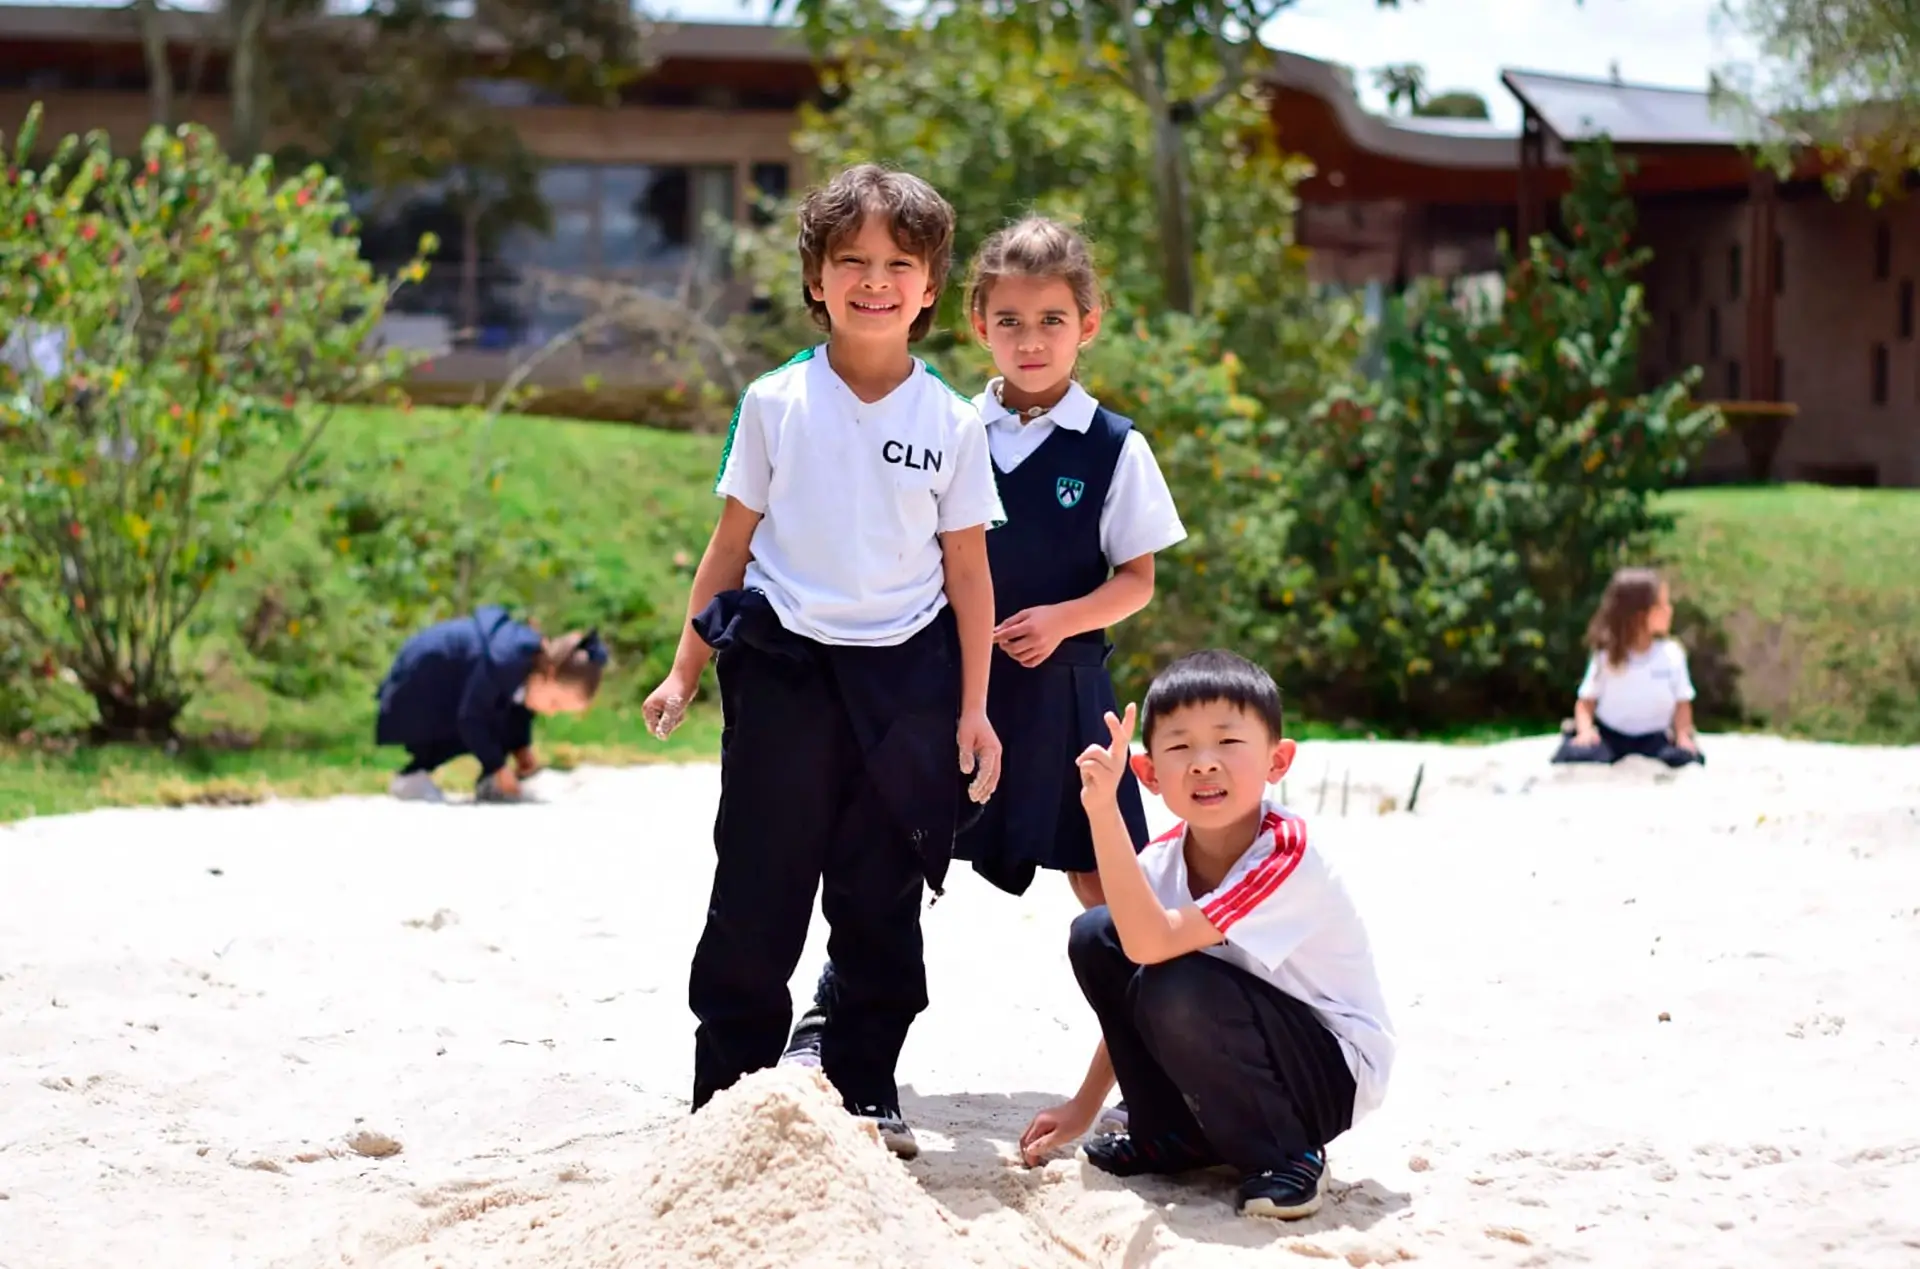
(1087, 509)
(471, 685)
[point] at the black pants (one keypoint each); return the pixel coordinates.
(431, 755)
(1206, 1050)
(1615, 745)
(798, 808)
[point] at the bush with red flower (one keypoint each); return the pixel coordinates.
(178, 329)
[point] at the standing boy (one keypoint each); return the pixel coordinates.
(846, 592)
(1232, 977)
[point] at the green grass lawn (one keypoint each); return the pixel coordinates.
(1798, 605)
(1808, 606)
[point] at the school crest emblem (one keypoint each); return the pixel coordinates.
(1068, 490)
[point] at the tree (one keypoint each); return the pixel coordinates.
(1403, 85)
(1181, 60)
(1842, 75)
(1458, 516)
(381, 94)
(1066, 141)
(1454, 105)
(186, 326)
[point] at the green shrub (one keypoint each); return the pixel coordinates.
(1457, 518)
(200, 312)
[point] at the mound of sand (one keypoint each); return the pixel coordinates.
(771, 1173)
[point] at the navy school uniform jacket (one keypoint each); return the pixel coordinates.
(452, 689)
(1049, 552)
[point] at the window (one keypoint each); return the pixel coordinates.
(1878, 390)
(1713, 332)
(1905, 320)
(1882, 251)
(1733, 380)
(771, 184)
(1733, 271)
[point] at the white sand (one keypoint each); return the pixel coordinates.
(366, 1034)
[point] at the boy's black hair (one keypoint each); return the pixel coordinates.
(1209, 677)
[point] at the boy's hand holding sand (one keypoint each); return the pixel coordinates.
(666, 706)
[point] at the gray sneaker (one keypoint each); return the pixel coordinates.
(416, 786)
(892, 1127)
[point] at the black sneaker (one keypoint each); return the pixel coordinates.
(803, 1049)
(1123, 1154)
(1286, 1193)
(892, 1127)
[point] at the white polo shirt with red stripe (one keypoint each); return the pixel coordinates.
(1287, 918)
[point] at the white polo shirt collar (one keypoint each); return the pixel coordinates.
(1074, 411)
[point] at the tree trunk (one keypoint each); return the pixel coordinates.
(248, 19)
(1176, 213)
(129, 717)
(153, 39)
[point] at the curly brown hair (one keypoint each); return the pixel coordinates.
(1035, 247)
(920, 221)
(1621, 619)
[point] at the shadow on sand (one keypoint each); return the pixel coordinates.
(981, 1174)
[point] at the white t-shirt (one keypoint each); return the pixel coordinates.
(1288, 919)
(853, 496)
(1638, 697)
(1138, 517)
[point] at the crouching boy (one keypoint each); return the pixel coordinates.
(1238, 1004)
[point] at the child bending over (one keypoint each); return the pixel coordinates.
(846, 593)
(471, 685)
(1232, 977)
(1636, 697)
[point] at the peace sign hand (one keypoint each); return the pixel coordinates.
(1103, 766)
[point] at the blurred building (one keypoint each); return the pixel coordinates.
(1793, 304)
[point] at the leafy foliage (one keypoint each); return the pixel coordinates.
(1843, 73)
(1457, 517)
(1067, 142)
(1177, 60)
(181, 329)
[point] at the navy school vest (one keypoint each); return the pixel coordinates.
(1048, 551)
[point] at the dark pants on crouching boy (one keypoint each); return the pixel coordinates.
(838, 774)
(1615, 745)
(1207, 1053)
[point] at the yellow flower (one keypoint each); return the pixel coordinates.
(343, 545)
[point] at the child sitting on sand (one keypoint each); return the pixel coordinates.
(471, 685)
(1636, 697)
(1230, 972)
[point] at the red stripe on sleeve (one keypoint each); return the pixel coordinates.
(1264, 878)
